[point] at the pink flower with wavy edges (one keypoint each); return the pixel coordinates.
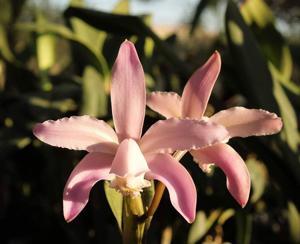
(239, 121)
(122, 156)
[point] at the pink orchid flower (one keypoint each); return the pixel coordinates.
(123, 157)
(239, 121)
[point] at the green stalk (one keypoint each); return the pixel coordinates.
(133, 224)
(136, 221)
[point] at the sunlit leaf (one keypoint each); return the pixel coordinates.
(92, 38)
(115, 200)
(198, 228)
(46, 51)
(122, 7)
(94, 97)
(290, 130)
(226, 214)
(255, 79)
(76, 3)
(201, 225)
(271, 41)
(235, 33)
(294, 222)
(126, 26)
(259, 177)
(4, 46)
(258, 11)
(95, 59)
(61, 105)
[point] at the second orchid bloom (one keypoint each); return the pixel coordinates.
(239, 122)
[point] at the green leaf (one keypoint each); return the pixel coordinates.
(288, 114)
(76, 3)
(86, 34)
(235, 33)
(255, 79)
(129, 25)
(294, 222)
(259, 177)
(202, 225)
(94, 97)
(226, 214)
(258, 11)
(46, 51)
(115, 201)
(198, 228)
(147, 195)
(270, 40)
(91, 38)
(64, 105)
(244, 227)
(122, 7)
(6, 12)
(4, 45)
(97, 60)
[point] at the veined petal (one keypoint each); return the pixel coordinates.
(79, 133)
(129, 160)
(165, 103)
(243, 122)
(237, 175)
(128, 93)
(198, 89)
(174, 176)
(166, 136)
(92, 168)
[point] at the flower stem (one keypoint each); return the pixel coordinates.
(133, 231)
(160, 188)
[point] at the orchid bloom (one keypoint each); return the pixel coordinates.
(122, 156)
(239, 121)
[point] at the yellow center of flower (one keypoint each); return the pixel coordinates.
(129, 185)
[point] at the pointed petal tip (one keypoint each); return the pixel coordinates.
(127, 44)
(216, 55)
(68, 214)
(241, 200)
(190, 219)
(215, 58)
(68, 219)
(198, 89)
(243, 204)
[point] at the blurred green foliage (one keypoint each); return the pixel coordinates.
(53, 66)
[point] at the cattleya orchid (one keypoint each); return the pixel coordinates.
(123, 157)
(239, 121)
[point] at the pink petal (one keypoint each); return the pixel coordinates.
(243, 122)
(224, 156)
(129, 160)
(79, 133)
(173, 175)
(169, 135)
(198, 89)
(92, 168)
(166, 103)
(128, 93)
